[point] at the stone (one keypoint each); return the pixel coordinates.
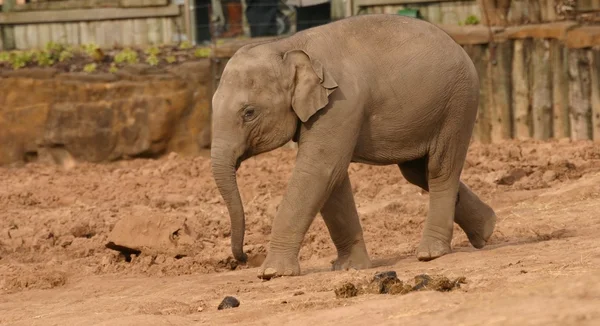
(153, 235)
(228, 303)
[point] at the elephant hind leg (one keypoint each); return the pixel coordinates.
(475, 218)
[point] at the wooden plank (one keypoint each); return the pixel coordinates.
(594, 57)
(555, 30)
(140, 32)
(372, 3)
(167, 30)
(522, 128)
(560, 89)
(127, 33)
(98, 14)
(579, 94)
(501, 92)
(20, 33)
(72, 33)
(541, 100)
(58, 33)
(44, 34)
(583, 37)
(534, 11)
(113, 35)
(154, 30)
(100, 34)
(7, 32)
(85, 32)
(479, 56)
(31, 32)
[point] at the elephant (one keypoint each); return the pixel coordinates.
(374, 89)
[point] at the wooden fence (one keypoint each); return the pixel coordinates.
(537, 81)
(103, 22)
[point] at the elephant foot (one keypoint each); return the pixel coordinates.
(480, 233)
(431, 248)
(357, 258)
(276, 265)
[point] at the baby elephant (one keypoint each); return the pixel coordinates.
(374, 89)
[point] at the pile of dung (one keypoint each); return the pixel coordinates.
(388, 283)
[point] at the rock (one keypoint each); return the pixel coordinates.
(549, 176)
(387, 283)
(511, 177)
(228, 302)
(169, 235)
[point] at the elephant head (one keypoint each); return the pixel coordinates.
(261, 97)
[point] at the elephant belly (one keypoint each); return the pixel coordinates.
(388, 143)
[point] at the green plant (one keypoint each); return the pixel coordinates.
(152, 60)
(472, 20)
(185, 45)
(44, 58)
(127, 56)
(54, 47)
(65, 55)
(171, 59)
(90, 67)
(113, 68)
(90, 49)
(153, 50)
(202, 53)
(4, 56)
(20, 59)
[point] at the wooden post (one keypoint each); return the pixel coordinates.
(8, 32)
(481, 131)
(520, 86)
(579, 94)
(500, 90)
(560, 89)
(534, 12)
(594, 57)
(541, 103)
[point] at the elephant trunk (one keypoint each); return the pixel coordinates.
(224, 167)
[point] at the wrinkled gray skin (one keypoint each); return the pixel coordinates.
(375, 89)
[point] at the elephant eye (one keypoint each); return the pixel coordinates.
(248, 114)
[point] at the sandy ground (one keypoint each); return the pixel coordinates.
(541, 267)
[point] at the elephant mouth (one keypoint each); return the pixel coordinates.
(242, 158)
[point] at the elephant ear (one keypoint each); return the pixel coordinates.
(311, 83)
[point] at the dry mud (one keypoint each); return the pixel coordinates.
(541, 265)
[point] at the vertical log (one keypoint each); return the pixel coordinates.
(140, 32)
(127, 32)
(72, 33)
(20, 33)
(579, 94)
(534, 12)
(101, 34)
(154, 32)
(58, 33)
(44, 34)
(560, 90)
(481, 131)
(167, 30)
(84, 33)
(434, 14)
(499, 86)
(518, 13)
(541, 102)
(8, 33)
(31, 33)
(594, 57)
(520, 85)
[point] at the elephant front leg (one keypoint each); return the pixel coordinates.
(311, 184)
(341, 218)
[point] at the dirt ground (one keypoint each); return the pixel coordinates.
(541, 266)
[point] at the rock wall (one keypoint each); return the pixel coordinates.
(139, 111)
